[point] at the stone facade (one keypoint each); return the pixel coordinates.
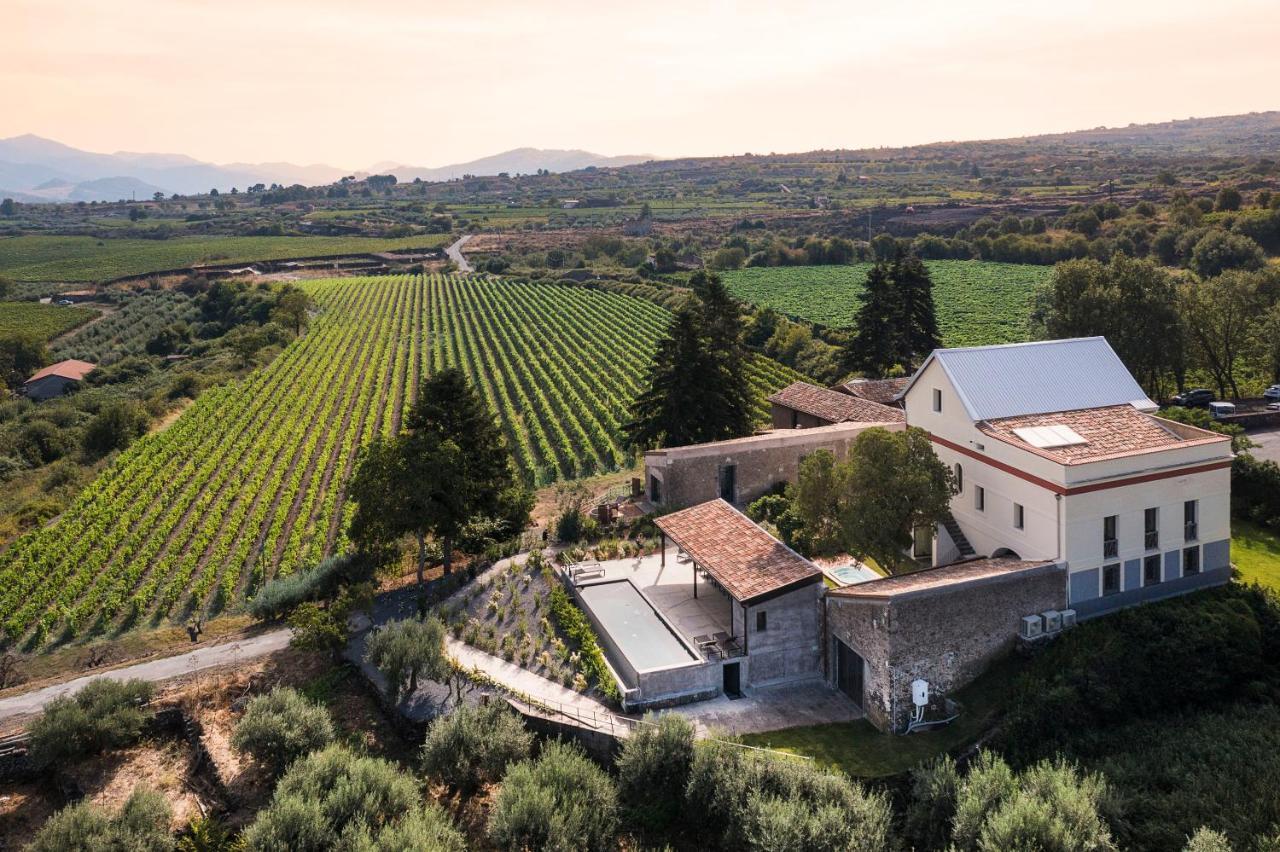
(946, 634)
(789, 647)
(686, 476)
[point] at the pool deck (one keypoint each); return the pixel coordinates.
(671, 590)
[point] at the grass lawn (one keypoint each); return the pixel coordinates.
(1255, 551)
(861, 751)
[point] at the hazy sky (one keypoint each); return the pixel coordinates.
(352, 82)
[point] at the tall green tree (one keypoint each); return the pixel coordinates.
(697, 388)
(874, 349)
(917, 312)
(891, 484)
(1220, 315)
(1133, 303)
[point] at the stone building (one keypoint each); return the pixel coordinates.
(56, 379)
(801, 405)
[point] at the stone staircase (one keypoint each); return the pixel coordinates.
(958, 536)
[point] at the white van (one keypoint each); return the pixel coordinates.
(1219, 410)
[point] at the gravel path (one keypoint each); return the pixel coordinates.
(153, 670)
(455, 254)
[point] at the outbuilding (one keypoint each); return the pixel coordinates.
(56, 379)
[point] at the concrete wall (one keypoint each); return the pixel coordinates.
(691, 475)
(657, 688)
(790, 646)
(947, 636)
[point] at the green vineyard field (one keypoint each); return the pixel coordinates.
(46, 321)
(248, 483)
(42, 258)
(978, 302)
(127, 330)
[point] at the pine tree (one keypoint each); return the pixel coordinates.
(918, 316)
(874, 348)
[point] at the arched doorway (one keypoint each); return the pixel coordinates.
(1005, 553)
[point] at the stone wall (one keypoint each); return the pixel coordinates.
(691, 475)
(947, 635)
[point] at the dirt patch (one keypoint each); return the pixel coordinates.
(23, 809)
(162, 423)
(160, 765)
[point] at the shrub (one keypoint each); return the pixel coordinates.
(115, 427)
(335, 799)
(142, 825)
(653, 771)
(933, 803)
(282, 594)
(574, 624)
(1048, 806)
(1207, 840)
(561, 801)
(765, 802)
(105, 714)
(473, 745)
(403, 651)
(281, 726)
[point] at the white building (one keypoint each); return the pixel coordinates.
(1059, 459)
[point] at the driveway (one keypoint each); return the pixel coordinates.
(1268, 441)
(455, 253)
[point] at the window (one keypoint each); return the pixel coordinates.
(1110, 579)
(1110, 533)
(1151, 529)
(959, 479)
(980, 498)
(937, 399)
(1151, 570)
(1018, 516)
(1190, 514)
(1190, 561)
(762, 621)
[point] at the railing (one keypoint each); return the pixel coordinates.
(1152, 541)
(1192, 531)
(1110, 548)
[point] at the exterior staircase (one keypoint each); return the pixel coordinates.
(958, 536)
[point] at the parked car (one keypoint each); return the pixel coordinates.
(1193, 398)
(1219, 410)
(65, 302)
(1273, 406)
(1272, 392)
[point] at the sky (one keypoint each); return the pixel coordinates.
(427, 83)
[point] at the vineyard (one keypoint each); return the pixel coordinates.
(44, 258)
(247, 484)
(127, 330)
(978, 302)
(47, 321)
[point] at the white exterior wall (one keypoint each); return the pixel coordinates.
(1068, 527)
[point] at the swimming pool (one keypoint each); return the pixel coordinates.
(848, 575)
(632, 627)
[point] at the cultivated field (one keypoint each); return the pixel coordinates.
(248, 482)
(47, 321)
(41, 258)
(978, 302)
(127, 330)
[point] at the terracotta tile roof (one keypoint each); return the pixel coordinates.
(833, 406)
(740, 556)
(938, 578)
(883, 391)
(72, 369)
(1109, 432)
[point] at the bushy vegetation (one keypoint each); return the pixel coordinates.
(280, 595)
(336, 799)
(141, 825)
(573, 623)
(653, 771)
(475, 745)
(281, 726)
(105, 714)
(763, 802)
(405, 651)
(560, 801)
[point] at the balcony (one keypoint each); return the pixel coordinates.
(1152, 540)
(1110, 548)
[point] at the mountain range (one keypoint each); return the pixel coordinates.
(34, 169)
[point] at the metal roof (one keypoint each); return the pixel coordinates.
(1017, 379)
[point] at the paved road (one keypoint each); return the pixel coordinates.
(1268, 441)
(455, 253)
(153, 670)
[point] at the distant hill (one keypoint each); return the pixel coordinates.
(33, 168)
(516, 161)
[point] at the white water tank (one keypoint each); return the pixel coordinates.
(919, 692)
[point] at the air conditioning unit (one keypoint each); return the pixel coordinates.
(1031, 627)
(1052, 620)
(1068, 618)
